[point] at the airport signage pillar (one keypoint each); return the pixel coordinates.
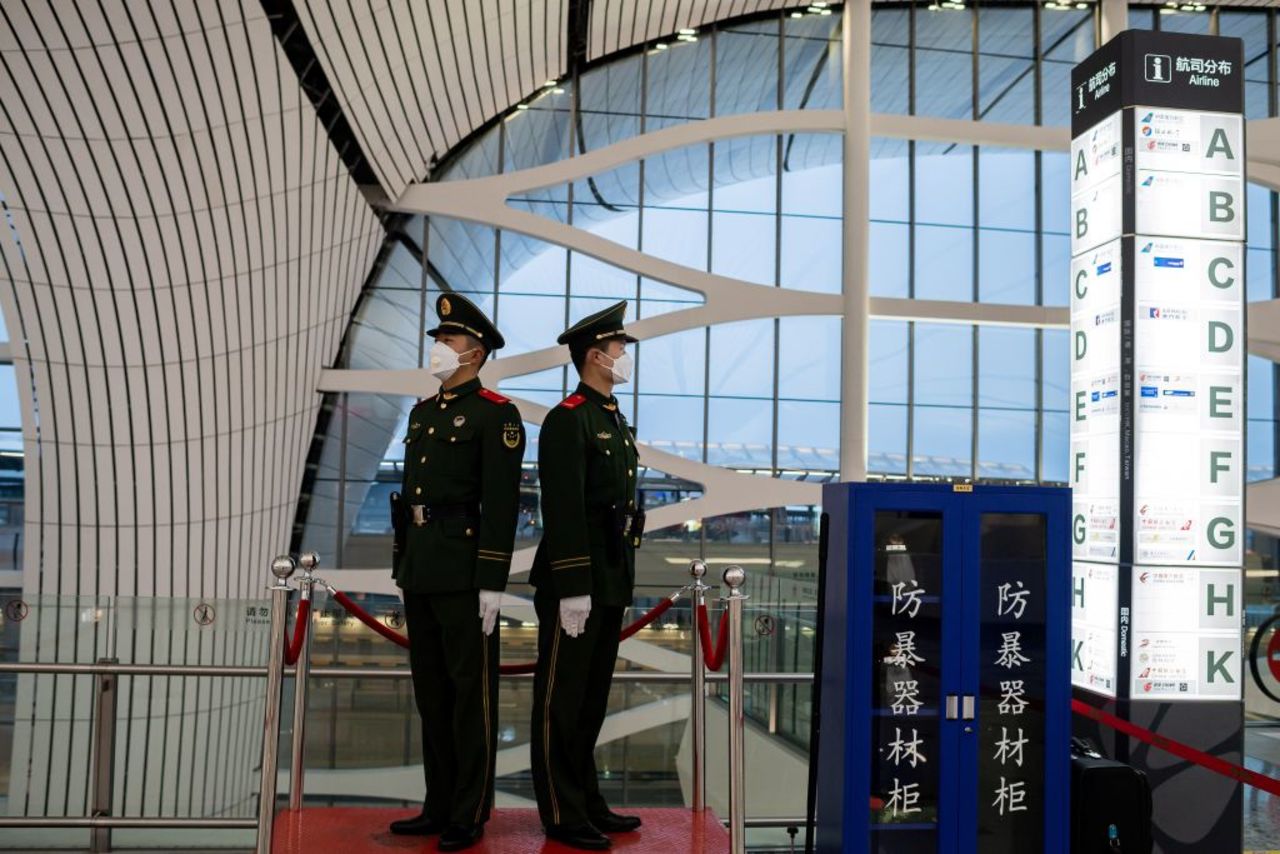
(1157, 411)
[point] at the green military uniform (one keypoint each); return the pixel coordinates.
(455, 528)
(587, 468)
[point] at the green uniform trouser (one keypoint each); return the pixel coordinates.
(570, 700)
(455, 684)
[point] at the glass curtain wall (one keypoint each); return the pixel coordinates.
(949, 223)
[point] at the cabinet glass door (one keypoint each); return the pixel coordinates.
(1005, 743)
(909, 659)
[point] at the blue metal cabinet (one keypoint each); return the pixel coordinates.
(945, 689)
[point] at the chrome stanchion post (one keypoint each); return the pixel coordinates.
(698, 706)
(104, 738)
(309, 562)
(735, 577)
(282, 567)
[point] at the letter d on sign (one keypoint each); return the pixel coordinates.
(1221, 336)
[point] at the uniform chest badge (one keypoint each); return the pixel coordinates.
(414, 426)
(459, 420)
(604, 435)
(511, 436)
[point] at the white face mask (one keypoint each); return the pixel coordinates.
(444, 361)
(621, 368)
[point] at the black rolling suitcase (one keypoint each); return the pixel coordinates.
(1110, 804)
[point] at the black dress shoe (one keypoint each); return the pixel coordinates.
(420, 825)
(582, 836)
(460, 836)
(611, 822)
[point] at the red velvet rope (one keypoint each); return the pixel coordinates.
(654, 613)
(1178, 749)
(363, 616)
(713, 656)
(301, 621)
(400, 640)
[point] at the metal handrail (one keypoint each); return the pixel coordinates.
(97, 822)
(658, 676)
(98, 668)
(275, 670)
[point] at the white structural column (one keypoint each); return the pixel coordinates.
(856, 46)
(1115, 19)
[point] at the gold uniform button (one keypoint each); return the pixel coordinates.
(423, 460)
(608, 452)
(453, 438)
(442, 406)
(431, 430)
(468, 532)
(418, 491)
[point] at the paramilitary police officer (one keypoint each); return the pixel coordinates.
(455, 526)
(584, 572)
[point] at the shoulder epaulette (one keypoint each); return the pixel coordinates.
(493, 396)
(573, 401)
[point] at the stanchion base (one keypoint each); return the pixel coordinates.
(363, 830)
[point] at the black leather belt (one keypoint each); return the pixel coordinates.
(425, 514)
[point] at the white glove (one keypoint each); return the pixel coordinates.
(490, 602)
(573, 614)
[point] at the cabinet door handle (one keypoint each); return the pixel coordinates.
(968, 707)
(953, 707)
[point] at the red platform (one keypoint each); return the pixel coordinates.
(362, 830)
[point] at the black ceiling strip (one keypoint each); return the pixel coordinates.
(678, 21)
(249, 526)
(262, 377)
(508, 95)
(202, 547)
(467, 42)
(533, 83)
(247, 371)
(97, 171)
(308, 300)
(579, 34)
(415, 166)
(297, 48)
(426, 73)
(545, 43)
(286, 277)
(404, 169)
(210, 782)
(458, 123)
(494, 100)
(578, 26)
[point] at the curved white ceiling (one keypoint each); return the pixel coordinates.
(414, 78)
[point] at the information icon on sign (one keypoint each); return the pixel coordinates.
(1158, 68)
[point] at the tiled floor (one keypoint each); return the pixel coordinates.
(1261, 810)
